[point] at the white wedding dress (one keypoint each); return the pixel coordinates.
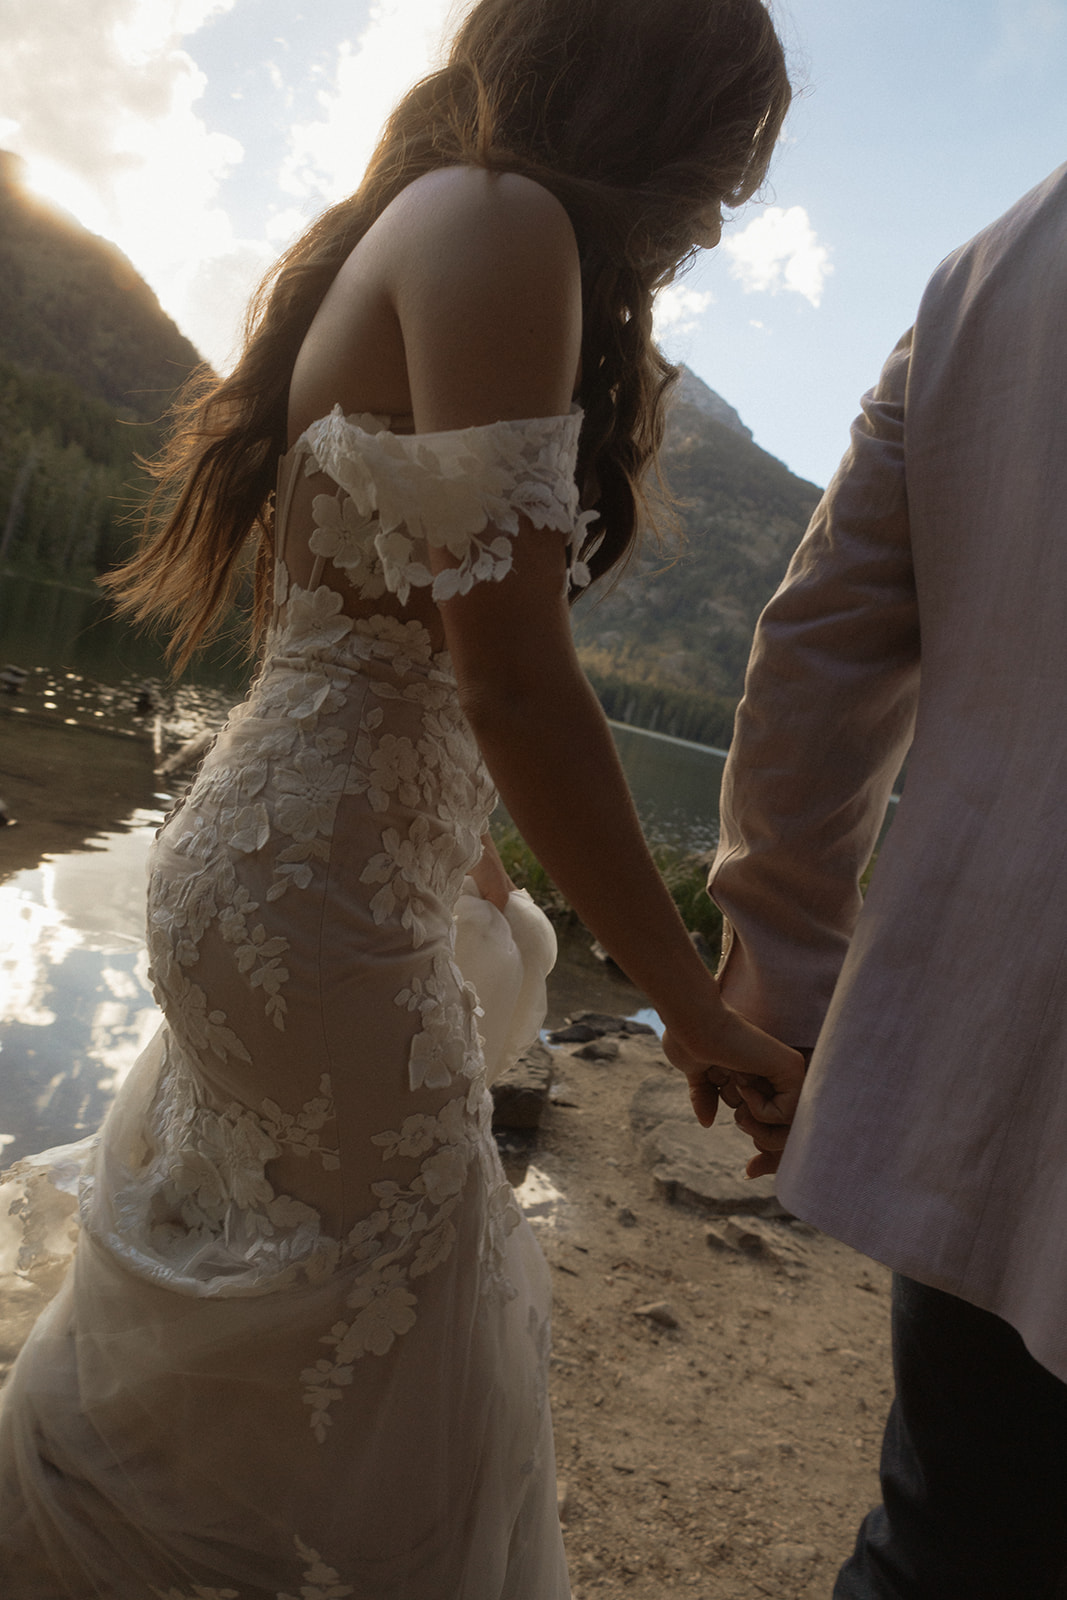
(302, 1350)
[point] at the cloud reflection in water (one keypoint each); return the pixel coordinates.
(75, 1005)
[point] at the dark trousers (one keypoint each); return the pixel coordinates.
(974, 1464)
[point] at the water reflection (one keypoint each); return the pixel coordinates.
(675, 786)
(539, 1198)
(75, 1006)
(75, 630)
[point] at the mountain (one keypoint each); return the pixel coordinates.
(74, 306)
(666, 647)
(693, 391)
(88, 364)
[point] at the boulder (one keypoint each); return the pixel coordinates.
(521, 1092)
(599, 1050)
(702, 1168)
(590, 1025)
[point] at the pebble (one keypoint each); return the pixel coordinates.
(791, 1557)
(752, 1237)
(12, 678)
(659, 1311)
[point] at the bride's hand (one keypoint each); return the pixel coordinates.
(744, 1066)
(490, 875)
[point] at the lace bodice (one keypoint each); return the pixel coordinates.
(400, 495)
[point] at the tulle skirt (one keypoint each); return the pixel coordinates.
(155, 1438)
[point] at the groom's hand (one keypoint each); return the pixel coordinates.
(755, 1100)
(744, 1067)
(769, 1139)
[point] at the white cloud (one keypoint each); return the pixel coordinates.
(215, 290)
(400, 45)
(779, 250)
(678, 309)
(82, 82)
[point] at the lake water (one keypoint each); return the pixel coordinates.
(78, 745)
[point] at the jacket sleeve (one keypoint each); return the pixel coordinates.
(823, 729)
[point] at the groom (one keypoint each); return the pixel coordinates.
(925, 614)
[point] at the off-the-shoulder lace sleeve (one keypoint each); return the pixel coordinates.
(463, 490)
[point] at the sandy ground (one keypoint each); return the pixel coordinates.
(729, 1457)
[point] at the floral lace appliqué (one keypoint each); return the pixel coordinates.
(409, 1234)
(463, 491)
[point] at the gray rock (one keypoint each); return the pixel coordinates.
(602, 1021)
(520, 1093)
(635, 1028)
(595, 1025)
(663, 1098)
(702, 1168)
(599, 1050)
(755, 1237)
(573, 1033)
(658, 1311)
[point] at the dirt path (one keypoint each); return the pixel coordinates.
(728, 1457)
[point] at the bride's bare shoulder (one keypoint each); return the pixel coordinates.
(484, 277)
(461, 304)
(464, 234)
(454, 207)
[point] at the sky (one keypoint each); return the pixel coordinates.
(201, 136)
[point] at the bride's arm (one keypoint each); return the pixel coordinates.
(490, 875)
(490, 312)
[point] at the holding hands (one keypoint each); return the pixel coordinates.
(754, 1074)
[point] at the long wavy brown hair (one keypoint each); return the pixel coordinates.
(638, 115)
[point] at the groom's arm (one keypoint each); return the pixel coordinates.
(821, 733)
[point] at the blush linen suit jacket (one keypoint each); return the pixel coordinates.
(925, 614)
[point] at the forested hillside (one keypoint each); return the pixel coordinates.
(88, 364)
(667, 647)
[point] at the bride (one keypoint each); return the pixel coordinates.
(303, 1345)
